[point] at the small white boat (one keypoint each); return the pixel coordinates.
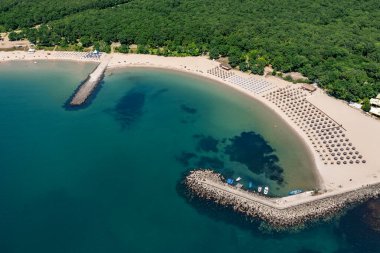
(266, 190)
(259, 189)
(295, 192)
(238, 179)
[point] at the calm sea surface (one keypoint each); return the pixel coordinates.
(106, 178)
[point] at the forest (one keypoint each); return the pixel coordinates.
(334, 43)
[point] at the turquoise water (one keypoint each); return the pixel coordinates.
(107, 178)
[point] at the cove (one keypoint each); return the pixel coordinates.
(105, 178)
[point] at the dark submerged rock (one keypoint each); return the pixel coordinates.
(251, 149)
(188, 109)
(130, 107)
(207, 143)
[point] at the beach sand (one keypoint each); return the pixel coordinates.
(45, 55)
(361, 129)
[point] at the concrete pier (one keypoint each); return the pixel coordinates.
(90, 84)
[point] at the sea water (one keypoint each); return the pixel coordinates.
(107, 177)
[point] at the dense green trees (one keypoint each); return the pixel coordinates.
(15, 13)
(366, 106)
(333, 43)
(16, 36)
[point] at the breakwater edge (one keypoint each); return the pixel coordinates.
(280, 214)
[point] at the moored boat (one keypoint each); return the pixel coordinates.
(295, 192)
(266, 190)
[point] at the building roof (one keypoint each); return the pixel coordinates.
(225, 66)
(355, 105)
(375, 111)
(375, 102)
(309, 87)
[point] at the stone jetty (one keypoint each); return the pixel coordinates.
(278, 213)
(90, 83)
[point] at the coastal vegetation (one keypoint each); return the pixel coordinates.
(334, 43)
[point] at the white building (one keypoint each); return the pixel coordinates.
(375, 108)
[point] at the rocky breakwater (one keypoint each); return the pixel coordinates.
(278, 213)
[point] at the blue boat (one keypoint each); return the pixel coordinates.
(230, 181)
(295, 192)
(250, 185)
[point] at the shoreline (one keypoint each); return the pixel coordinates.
(334, 177)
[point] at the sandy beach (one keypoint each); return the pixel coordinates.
(353, 127)
(46, 55)
(360, 128)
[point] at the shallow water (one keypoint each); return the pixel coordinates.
(107, 178)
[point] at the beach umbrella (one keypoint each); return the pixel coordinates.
(357, 161)
(351, 162)
(364, 161)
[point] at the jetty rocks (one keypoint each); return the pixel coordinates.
(279, 213)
